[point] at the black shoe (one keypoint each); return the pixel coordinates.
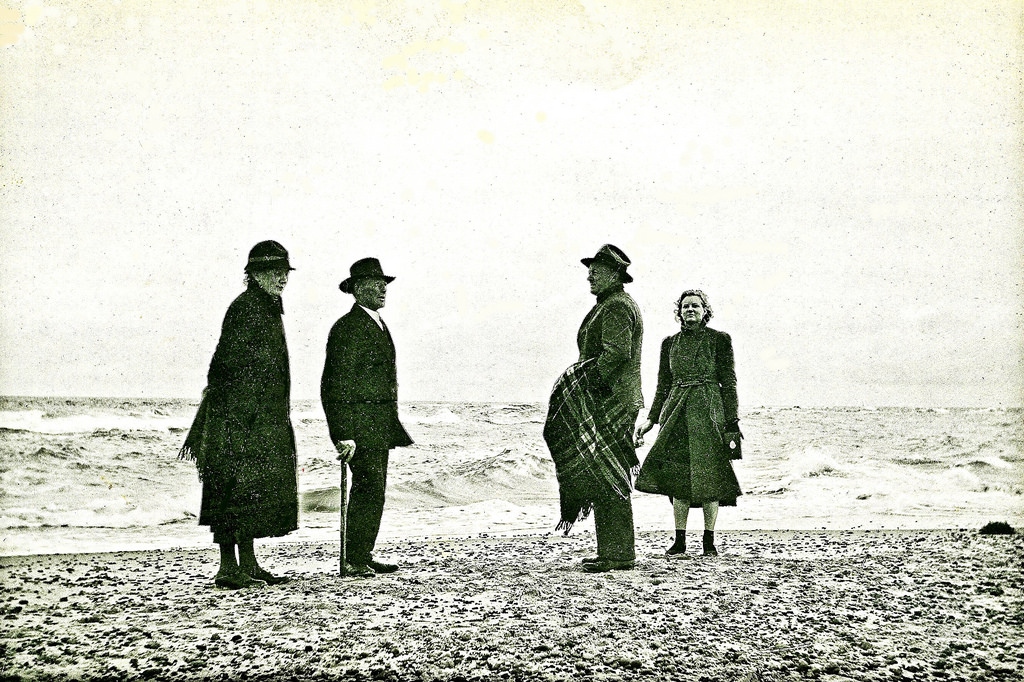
(357, 571)
(258, 573)
(605, 565)
(381, 567)
(677, 549)
(709, 543)
(236, 580)
(591, 560)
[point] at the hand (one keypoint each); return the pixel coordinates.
(731, 440)
(640, 431)
(346, 448)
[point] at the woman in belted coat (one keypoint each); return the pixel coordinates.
(696, 406)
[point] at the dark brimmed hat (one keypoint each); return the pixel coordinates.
(267, 255)
(364, 269)
(613, 257)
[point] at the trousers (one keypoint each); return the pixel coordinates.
(613, 523)
(366, 502)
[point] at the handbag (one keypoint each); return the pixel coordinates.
(732, 440)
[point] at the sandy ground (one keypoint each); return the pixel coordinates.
(861, 605)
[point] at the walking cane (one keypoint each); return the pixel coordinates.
(344, 517)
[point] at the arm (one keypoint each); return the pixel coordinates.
(664, 381)
(664, 384)
(726, 371)
(337, 380)
(233, 352)
(616, 343)
(234, 368)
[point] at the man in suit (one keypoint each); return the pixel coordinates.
(359, 392)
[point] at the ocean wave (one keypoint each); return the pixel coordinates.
(510, 475)
(64, 452)
(321, 500)
(959, 478)
(916, 461)
(95, 516)
(812, 462)
(768, 492)
(444, 416)
(38, 421)
(507, 415)
(988, 463)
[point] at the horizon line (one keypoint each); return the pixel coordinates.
(4, 396)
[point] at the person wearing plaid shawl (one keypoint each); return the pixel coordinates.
(592, 412)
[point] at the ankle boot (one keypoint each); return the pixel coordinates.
(709, 543)
(679, 546)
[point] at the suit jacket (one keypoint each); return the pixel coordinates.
(612, 333)
(359, 387)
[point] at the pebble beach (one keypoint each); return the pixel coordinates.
(775, 605)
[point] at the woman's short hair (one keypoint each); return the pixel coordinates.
(708, 313)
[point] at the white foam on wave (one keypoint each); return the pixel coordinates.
(813, 461)
(36, 421)
(508, 415)
(105, 514)
(993, 461)
(958, 479)
(444, 416)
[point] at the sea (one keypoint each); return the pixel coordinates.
(103, 474)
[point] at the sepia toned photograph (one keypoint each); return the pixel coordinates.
(513, 340)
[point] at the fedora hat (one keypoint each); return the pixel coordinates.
(363, 269)
(267, 255)
(613, 257)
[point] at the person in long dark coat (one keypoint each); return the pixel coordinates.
(242, 438)
(359, 393)
(592, 412)
(697, 406)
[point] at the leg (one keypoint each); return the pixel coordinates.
(613, 523)
(366, 503)
(710, 517)
(228, 563)
(680, 510)
(229, 574)
(246, 555)
(249, 566)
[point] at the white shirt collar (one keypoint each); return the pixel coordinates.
(375, 315)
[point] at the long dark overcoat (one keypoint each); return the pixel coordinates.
(695, 401)
(612, 333)
(243, 440)
(612, 336)
(359, 386)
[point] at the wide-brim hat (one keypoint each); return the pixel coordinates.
(268, 255)
(364, 269)
(613, 257)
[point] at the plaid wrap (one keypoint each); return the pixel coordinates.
(590, 440)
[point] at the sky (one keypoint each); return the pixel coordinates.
(843, 179)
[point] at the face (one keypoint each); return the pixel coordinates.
(371, 292)
(601, 277)
(272, 281)
(692, 311)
